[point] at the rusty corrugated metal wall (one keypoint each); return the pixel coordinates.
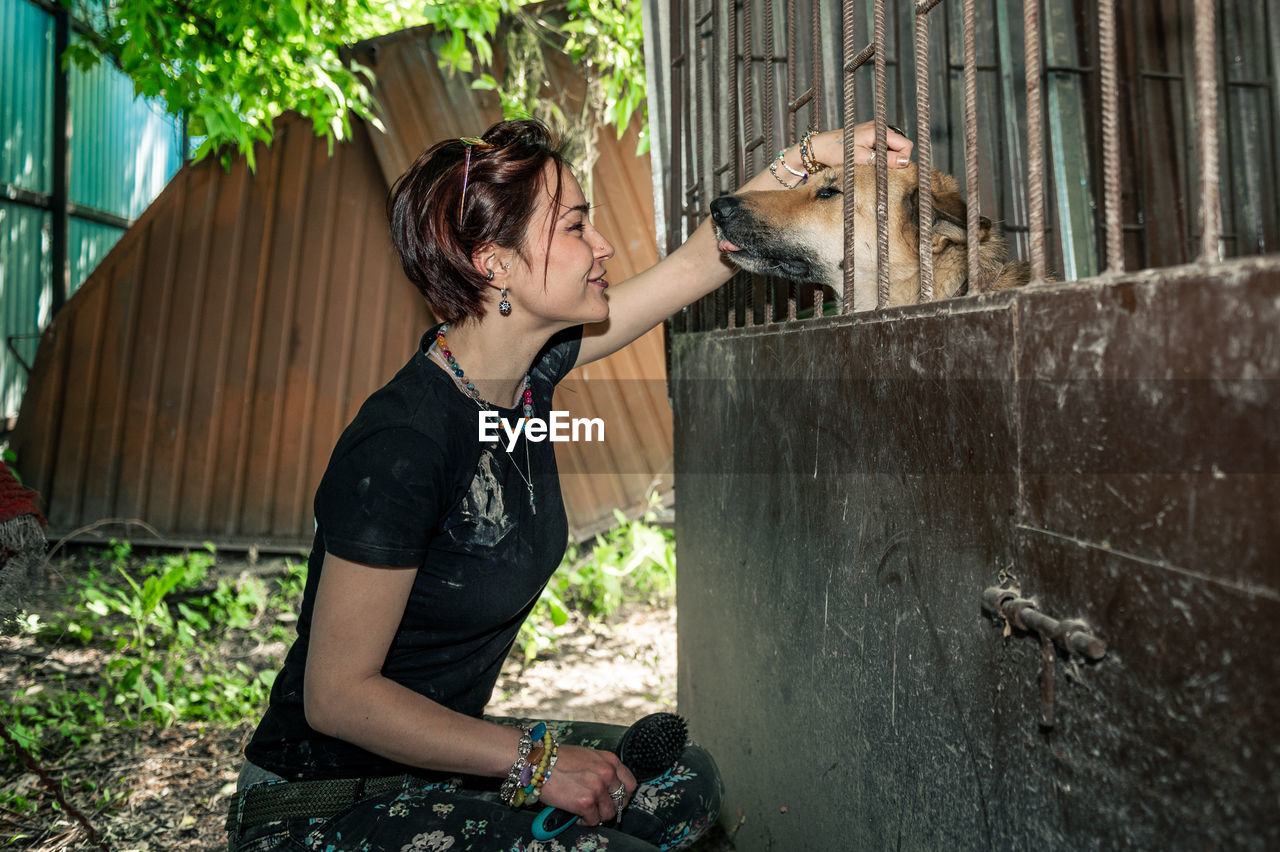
(198, 381)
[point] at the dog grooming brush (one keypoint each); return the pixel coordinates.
(653, 745)
(649, 748)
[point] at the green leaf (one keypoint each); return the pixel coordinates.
(233, 67)
(287, 16)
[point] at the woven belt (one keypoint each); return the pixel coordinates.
(298, 799)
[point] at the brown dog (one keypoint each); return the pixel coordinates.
(799, 235)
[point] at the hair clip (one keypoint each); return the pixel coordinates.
(469, 141)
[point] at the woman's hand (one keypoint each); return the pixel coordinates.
(581, 783)
(828, 146)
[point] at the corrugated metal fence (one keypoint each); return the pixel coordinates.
(81, 158)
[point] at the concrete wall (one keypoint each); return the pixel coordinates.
(849, 487)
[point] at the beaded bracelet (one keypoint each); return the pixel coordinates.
(810, 162)
(510, 786)
(529, 774)
(551, 764)
(773, 170)
(533, 779)
(538, 752)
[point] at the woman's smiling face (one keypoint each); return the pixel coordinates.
(562, 240)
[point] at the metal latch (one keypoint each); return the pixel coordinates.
(1072, 635)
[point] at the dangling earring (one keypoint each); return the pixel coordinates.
(504, 307)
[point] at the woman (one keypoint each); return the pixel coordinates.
(432, 546)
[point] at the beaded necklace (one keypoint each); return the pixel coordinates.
(526, 398)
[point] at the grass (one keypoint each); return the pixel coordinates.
(138, 644)
(635, 561)
(155, 632)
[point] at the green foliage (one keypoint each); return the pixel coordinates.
(608, 37)
(233, 66)
(469, 26)
(634, 561)
(604, 38)
(160, 629)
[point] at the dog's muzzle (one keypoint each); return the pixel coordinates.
(739, 236)
(724, 208)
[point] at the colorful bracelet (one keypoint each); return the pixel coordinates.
(551, 764)
(532, 778)
(811, 163)
(510, 786)
(538, 753)
(773, 170)
(528, 775)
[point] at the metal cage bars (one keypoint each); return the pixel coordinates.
(1207, 112)
(703, 24)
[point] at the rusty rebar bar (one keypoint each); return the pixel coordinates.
(815, 43)
(1207, 115)
(770, 295)
(1071, 635)
(748, 91)
(1035, 139)
(698, 308)
(748, 135)
(1110, 136)
(850, 191)
(882, 161)
(734, 154)
(815, 111)
(862, 57)
(681, 159)
(1047, 667)
(972, 194)
(924, 153)
(789, 133)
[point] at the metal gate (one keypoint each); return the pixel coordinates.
(1002, 570)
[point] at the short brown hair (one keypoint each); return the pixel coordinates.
(436, 234)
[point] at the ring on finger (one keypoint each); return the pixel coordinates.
(871, 160)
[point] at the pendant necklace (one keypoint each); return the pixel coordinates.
(444, 356)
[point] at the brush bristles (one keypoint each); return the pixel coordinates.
(653, 745)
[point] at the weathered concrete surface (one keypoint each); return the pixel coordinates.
(849, 488)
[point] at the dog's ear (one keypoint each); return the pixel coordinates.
(950, 218)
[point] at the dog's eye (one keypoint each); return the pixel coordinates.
(828, 191)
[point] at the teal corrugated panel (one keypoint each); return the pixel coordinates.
(88, 243)
(26, 95)
(124, 149)
(24, 293)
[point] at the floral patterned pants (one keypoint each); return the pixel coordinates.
(466, 815)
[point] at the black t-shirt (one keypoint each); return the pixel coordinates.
(411, 484)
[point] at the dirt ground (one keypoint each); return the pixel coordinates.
(174, 783)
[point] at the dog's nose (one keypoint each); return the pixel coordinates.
(724, 208)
